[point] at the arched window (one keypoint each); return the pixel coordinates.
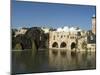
(63, 44)
(73, 45)
(55, 44)
(54, 37)
(61, 36)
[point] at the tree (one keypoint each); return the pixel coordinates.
(18, 46)
(13, 37)
(84, 45)
(35, 33)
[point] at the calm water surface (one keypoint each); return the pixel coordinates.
(51, 60)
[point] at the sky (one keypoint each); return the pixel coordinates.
(35, 14)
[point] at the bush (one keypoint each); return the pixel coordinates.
(84, 45)
(18, 46)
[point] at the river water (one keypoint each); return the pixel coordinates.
(51, 60)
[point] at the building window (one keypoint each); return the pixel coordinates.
(67, 36)
(78, 33)
(91, 37)
(72, 37)
(61, 36)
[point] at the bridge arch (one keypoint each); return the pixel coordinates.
(55, 45)
(73, 45)
(63, 45)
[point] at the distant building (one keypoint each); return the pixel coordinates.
(91, 37)
(94, 24)
(91, 41)
(21, 31)
(46, 30)
(91, 47)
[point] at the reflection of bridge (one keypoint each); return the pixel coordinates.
(65, 40)
(59, 58)
(62, 59)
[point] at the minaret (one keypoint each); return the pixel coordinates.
(94, 24)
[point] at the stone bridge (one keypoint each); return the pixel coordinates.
(65, 40)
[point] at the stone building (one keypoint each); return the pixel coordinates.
(46, 30)
(94, 24)
(21, 31)
(73, 38)
(69, 40)
(91, 36)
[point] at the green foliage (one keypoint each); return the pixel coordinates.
(18, 46)
(30, 40)
(34, 34)
(84, 45)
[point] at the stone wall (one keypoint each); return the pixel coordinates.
(62, 40)
(68, 41)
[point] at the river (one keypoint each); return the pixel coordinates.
(51, 60)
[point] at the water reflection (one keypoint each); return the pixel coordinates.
(66, 60)
(51, 60)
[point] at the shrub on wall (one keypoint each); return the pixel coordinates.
(18, 46)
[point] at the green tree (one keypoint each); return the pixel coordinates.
(84, 45)
(18, 46)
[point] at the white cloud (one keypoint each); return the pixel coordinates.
(67, 29)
